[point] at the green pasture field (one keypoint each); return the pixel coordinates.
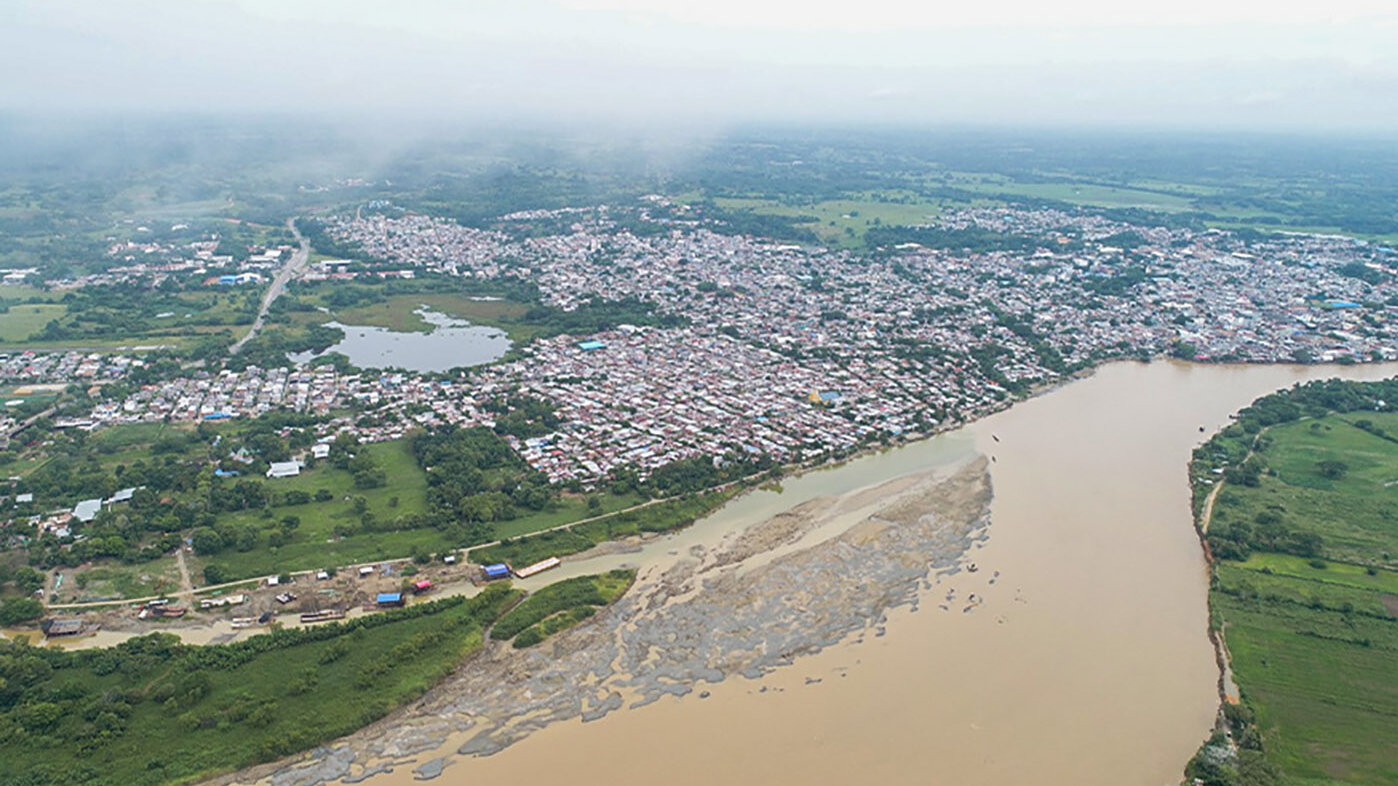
(1073, 192)
(314, 544)
(1322, 684)
(1356, 515)
(24, 320)
(1313, 640)
(841, 222)
(120, 581)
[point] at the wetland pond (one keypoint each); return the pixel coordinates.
(451, 343)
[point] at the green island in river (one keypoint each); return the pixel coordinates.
(1297, 502)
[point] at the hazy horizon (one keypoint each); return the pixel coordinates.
(1240, 66)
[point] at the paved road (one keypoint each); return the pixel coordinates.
(26, 423)
(290, 270)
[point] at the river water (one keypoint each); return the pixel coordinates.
(1088, 662)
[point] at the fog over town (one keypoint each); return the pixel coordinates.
(1230, 65)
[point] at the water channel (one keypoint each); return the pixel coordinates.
(1087, 664)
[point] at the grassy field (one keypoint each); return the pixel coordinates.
(95, 717)
(1354, 514)
(178, 320)
(560, 606)
(1340, 574)
(1313, 640)
(22, 321)
(840, 222)
(127, 344)
(131, 442)
(1323, 686)
(315, 544)
(22, 292)
(1076, 193)
(398, 312)
(120, 581)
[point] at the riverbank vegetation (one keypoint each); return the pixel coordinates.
(663, 516)
(1303, 533)
(560, 606)
(153, 711)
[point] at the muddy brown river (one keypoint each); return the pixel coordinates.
(1074, 653)
(1087, 662)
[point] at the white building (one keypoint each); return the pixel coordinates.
(86, 510)
(284, 469)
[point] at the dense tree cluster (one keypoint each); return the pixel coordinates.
(474, 478)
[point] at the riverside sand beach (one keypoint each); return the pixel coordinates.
(886, 618)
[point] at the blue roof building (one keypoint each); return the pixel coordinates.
(592, 346)
(497, 571)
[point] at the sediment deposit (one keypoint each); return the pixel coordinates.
(755, 601)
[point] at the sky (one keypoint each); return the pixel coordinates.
(1201, 64)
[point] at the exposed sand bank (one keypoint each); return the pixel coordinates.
(789, 585)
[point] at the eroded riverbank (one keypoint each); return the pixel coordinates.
(755, 601)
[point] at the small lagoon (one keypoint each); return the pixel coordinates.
(451, 343)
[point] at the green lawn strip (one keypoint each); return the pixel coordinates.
(1336, 573)
(132, 434)
(89, 717)
(560, 606)
(660, 517)
(1244, 582)
(562, 512)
